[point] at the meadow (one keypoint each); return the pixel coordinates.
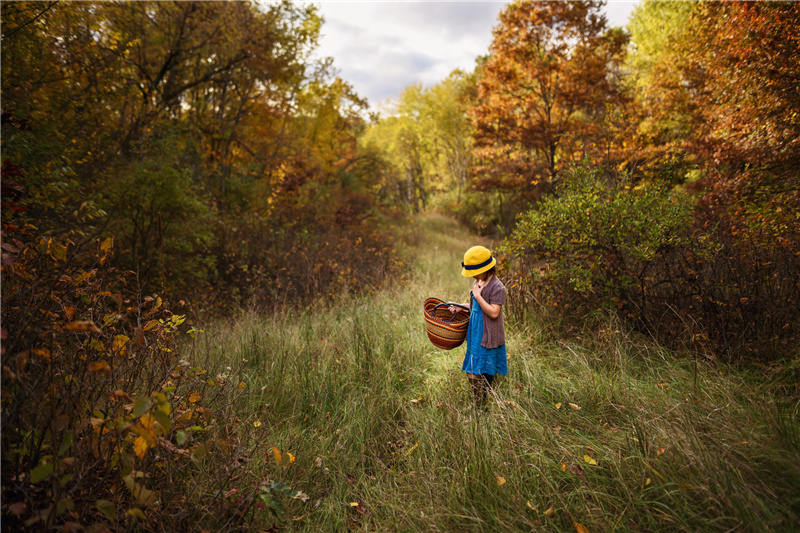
(357, 422)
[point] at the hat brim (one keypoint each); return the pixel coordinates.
(472, 273)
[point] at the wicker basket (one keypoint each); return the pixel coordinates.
(445, 330)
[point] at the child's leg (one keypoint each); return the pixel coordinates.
(486, 385)
(476, 386)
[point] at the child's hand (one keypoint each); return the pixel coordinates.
(478, 288)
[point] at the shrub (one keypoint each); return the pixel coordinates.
(723, 280)
(105, 425)
(593, 245)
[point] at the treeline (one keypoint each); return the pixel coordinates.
(201, 136)
(650, 173)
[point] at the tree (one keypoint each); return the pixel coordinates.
(665, 110)
(427, 136)
(544, 89)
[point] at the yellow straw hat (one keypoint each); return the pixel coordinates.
(477, 260)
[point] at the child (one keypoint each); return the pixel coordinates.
(486, 336)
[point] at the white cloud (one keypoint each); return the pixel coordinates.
(383, 47)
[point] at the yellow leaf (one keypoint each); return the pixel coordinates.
(648, 481)
(530, 506)
(353, 504)
(119, 342)
(147, 421)
(291, 457)
(242, 386)
(501, 481)
(194, 397)
(549, 512)
(580, 528)
(576, 407)
(257, 424)
(563, 467)
(558, 405)
(136, 513)
(140, 447)
(589, 460)
(276, 453)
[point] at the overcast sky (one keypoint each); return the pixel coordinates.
(382, 47)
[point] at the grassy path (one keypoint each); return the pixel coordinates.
(590, 434)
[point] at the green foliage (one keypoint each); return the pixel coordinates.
(594, 241)
(426, 140)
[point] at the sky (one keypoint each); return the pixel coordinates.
(382, 47)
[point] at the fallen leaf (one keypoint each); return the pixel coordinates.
(83, 326)
(580, 528)
(194, 397)
(589, 460)
(558, 405)
(530, 506)
(121, 394)
(318, 461)
(549, 512)
(100, 366)
(647, 481)
(136, 513)
(44, 353)
(576, 407)
(276, 453)
(501, 481)
(257, 424)
(301, 496)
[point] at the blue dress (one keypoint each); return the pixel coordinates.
(480, 360)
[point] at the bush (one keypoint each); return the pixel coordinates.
(105, 425)
(722, 281)
(592, 245)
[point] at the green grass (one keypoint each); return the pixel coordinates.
(376, 415)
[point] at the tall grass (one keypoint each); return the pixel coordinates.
(607, 431)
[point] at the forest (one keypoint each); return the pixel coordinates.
(173, 169)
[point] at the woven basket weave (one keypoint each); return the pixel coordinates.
(444, 330)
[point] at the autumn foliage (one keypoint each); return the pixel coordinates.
(544, 94)
(105, 424)
(705, 119)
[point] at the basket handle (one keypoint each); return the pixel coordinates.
(464, 307)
